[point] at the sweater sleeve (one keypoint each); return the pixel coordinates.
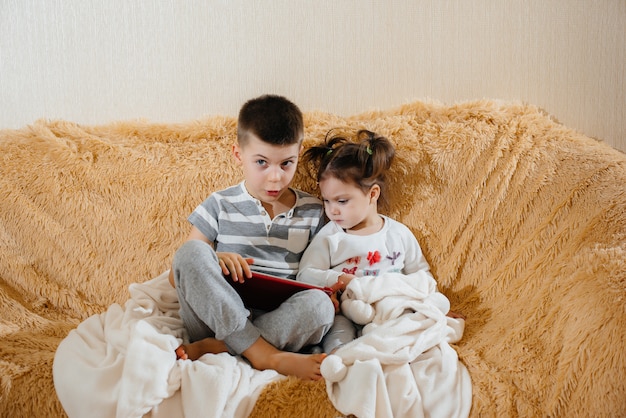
(315, 263)
(415, 260)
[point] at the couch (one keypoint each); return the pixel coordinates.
(522, 219)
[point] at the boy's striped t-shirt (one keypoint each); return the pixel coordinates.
(237, 222)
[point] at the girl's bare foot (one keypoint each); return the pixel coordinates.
(456, 315)
(195, 350)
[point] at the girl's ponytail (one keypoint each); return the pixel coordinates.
(363, 162)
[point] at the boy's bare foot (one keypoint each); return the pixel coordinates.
(304, 366)
(262, 355)
(195, 350)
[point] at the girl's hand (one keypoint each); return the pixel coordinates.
(338, 287)
(235, 266)
(344, 280)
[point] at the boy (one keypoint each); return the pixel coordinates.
(262, 223)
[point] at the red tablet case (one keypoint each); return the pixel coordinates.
(267, 292)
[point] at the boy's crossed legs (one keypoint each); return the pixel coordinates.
(204, 293)
(261, 355)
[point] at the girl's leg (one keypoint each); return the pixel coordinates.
(342, 332)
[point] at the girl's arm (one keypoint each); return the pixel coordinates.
(414, 258)
(315, 265)
(414, 253)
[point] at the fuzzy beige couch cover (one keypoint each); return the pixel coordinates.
(522, 220)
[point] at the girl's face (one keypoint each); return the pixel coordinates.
(348, 206)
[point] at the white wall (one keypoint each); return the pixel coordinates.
(94, 61)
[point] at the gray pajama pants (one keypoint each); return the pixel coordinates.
(210, 307)
(342, 332)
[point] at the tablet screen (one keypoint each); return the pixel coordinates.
(267, 292)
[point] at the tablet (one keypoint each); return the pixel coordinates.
(267, 292)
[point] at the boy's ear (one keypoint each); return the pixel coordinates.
(237, 152)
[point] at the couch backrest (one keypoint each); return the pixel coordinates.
(522, 220)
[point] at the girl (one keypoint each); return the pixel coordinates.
(357, 240)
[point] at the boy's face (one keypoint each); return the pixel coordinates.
(268, 169)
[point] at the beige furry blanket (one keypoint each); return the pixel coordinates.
(523, 222)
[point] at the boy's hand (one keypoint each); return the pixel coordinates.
(235, 266)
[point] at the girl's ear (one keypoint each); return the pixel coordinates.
(375, 192)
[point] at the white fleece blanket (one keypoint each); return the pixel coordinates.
(122, 363)
(402, 365)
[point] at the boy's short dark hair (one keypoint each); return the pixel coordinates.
(272, 119)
